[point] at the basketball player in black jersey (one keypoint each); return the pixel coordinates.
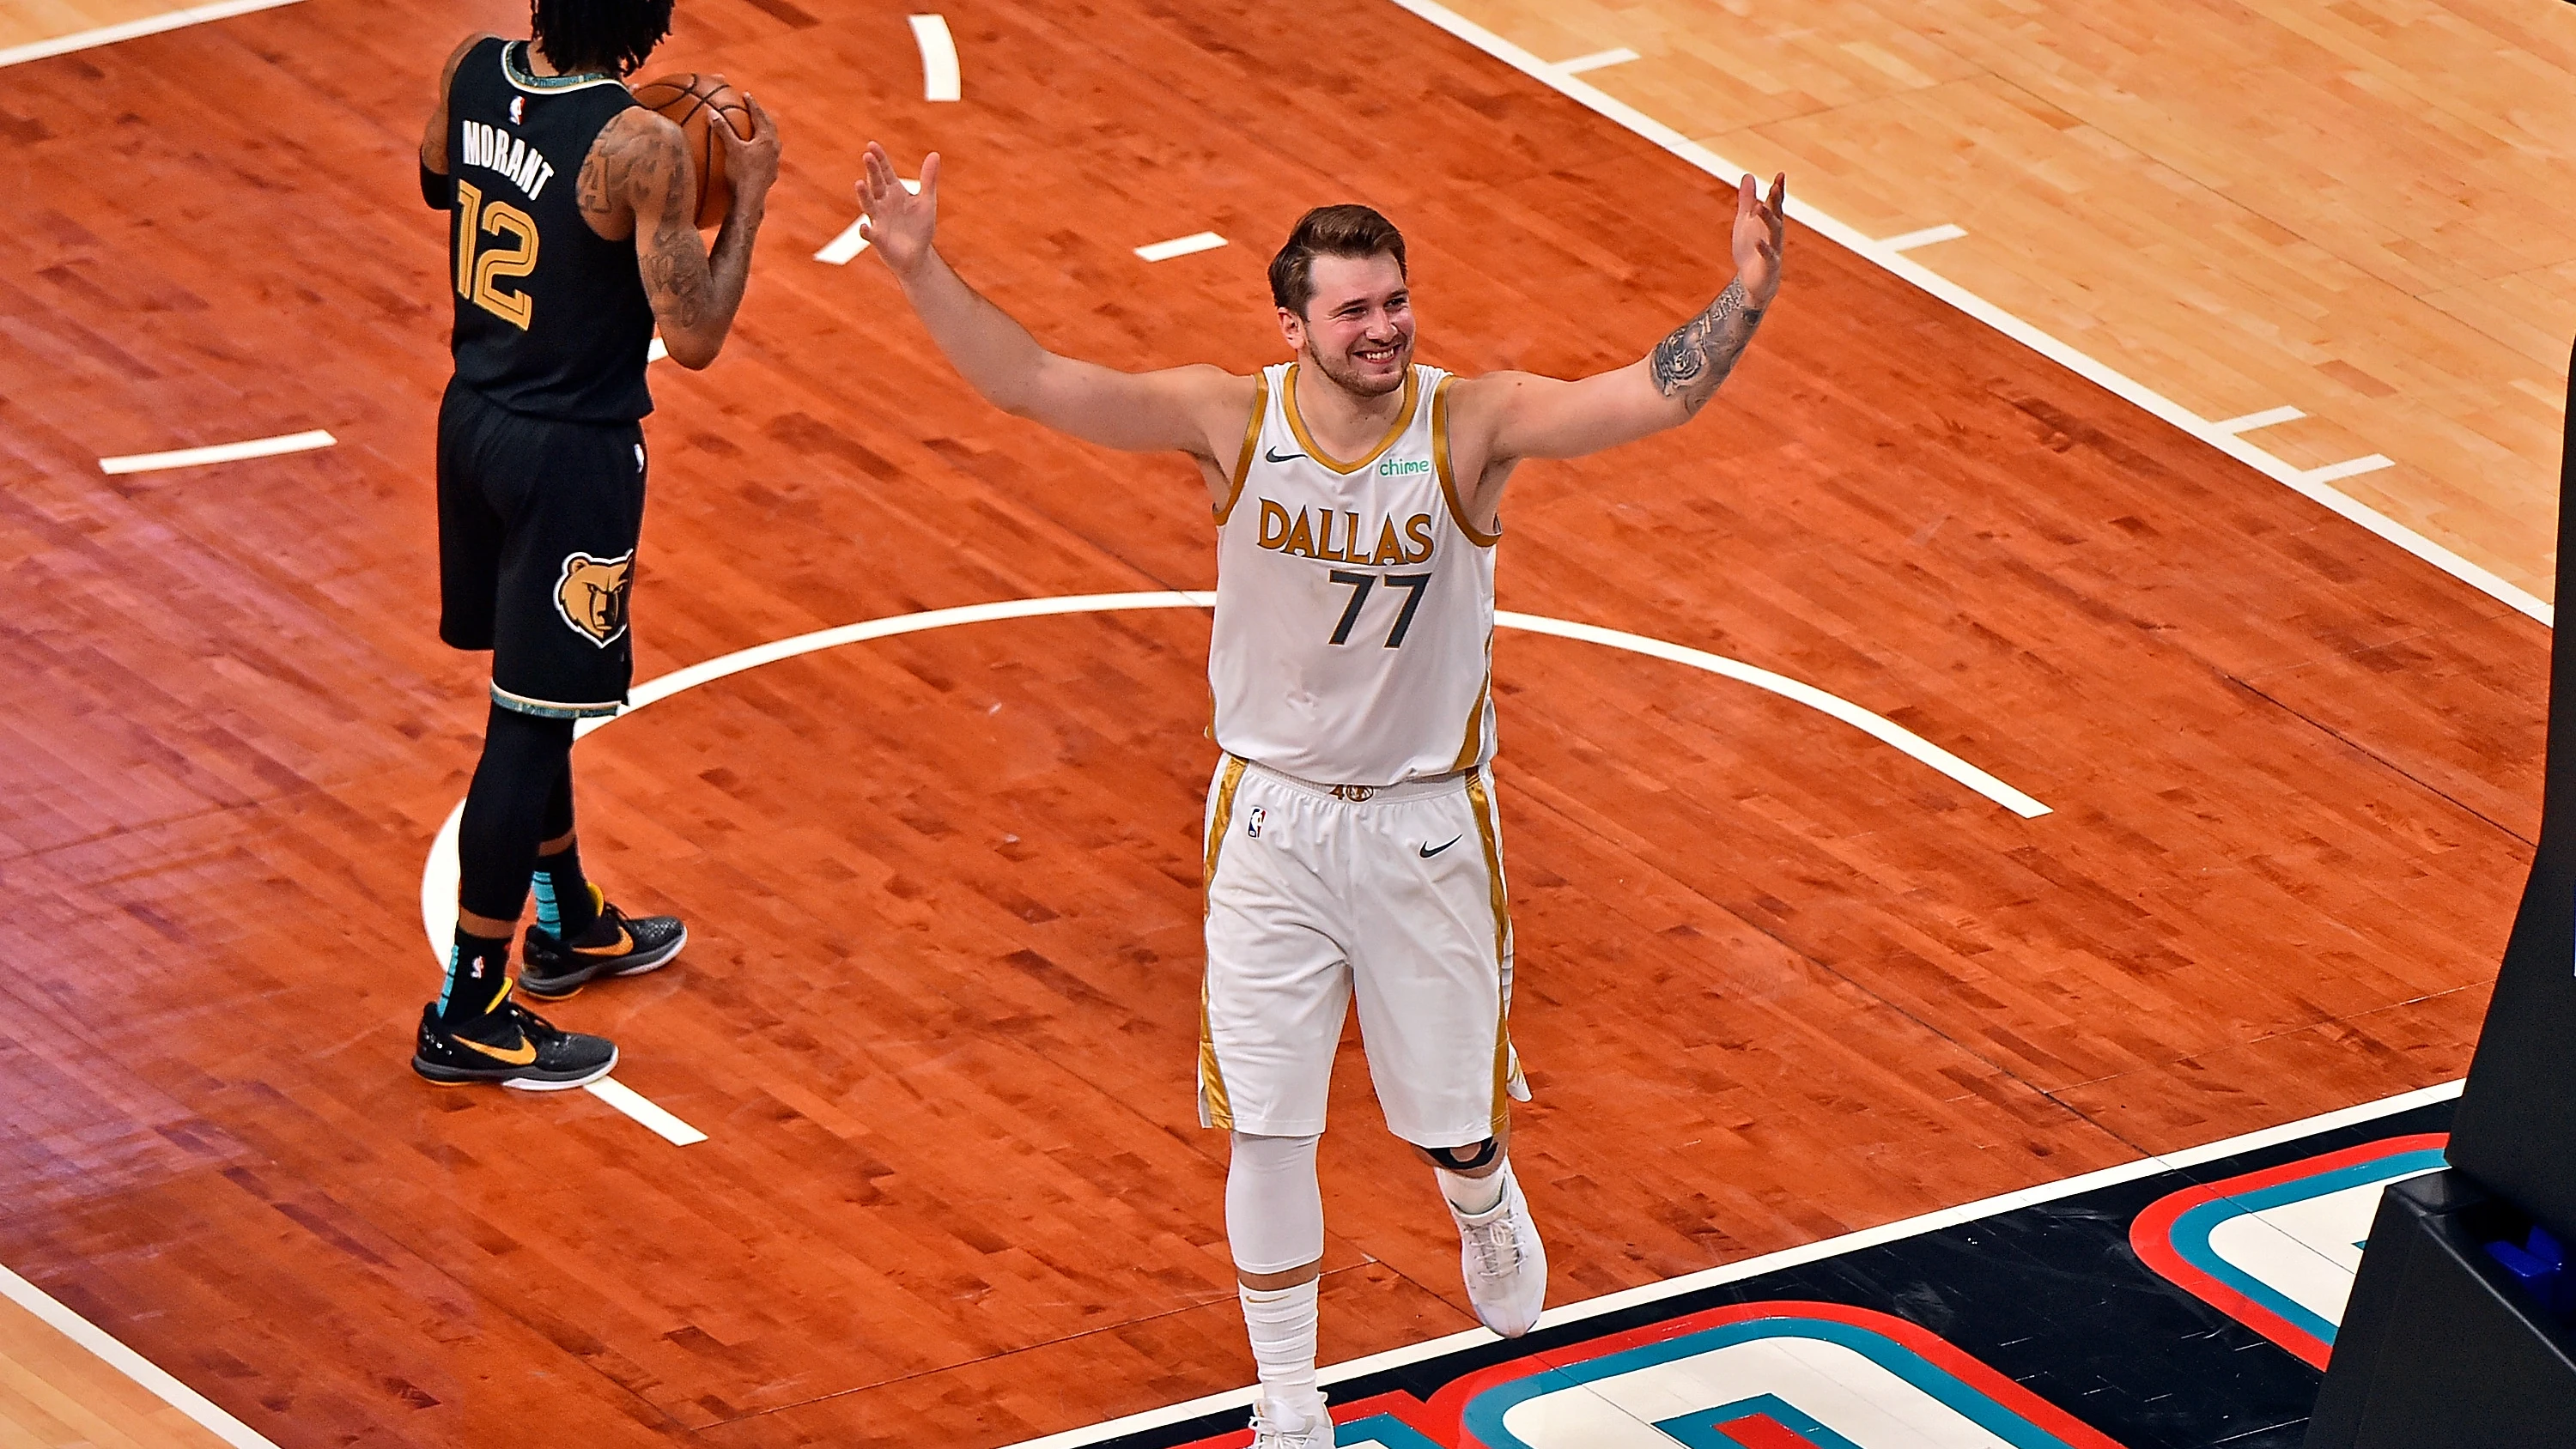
(571, 236)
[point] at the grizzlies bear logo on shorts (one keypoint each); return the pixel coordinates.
(591, 595)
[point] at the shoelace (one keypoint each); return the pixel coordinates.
(1268, 1431)
(1498, 1247)
(532, 1026)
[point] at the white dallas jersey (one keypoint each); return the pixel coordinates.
(1354, 605)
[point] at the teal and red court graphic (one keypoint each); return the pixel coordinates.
(2276, 1250)
(1777, 1375)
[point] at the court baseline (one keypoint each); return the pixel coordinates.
(2314, 484)
(148, 25)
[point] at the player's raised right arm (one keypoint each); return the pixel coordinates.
(1183, 409)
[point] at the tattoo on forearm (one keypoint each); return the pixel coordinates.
(1701, 352)
(635, 168)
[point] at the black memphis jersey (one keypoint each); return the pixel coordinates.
(551, 318)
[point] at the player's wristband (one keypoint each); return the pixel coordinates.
(439, 191)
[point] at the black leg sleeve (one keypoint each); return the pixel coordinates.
(526, 759)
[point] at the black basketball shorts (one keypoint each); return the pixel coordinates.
(537, 524)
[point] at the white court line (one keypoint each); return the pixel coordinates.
(438, 917)
(131, 1364)
(1851, 714)
(148, 25)
(2350, 467)
(1908, 241)
(220, 453)
(234, 1432)
(1180, 246)
(842, 249)
(2296, 479)
(2264, 419)
(939, 80)
(1595, 61)
(1834, 1247)
(439, 872)
(1884, 730)
(643, 1109)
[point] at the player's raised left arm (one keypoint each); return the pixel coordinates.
(1524, 416)
(643, 164)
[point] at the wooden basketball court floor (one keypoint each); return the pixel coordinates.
(1780, 980)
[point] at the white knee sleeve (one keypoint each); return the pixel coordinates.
(1274, 1211)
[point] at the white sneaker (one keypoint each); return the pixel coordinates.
(1504, 1263)
(1268, 1433)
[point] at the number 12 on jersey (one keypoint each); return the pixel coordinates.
(476, 275)
(1360, 584)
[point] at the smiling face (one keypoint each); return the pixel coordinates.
(1357, 330)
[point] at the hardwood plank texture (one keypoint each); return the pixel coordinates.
(55, 1394)
(938, 1011)
(2354, 209)
(31, 22)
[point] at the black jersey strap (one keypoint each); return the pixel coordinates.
(437, 189)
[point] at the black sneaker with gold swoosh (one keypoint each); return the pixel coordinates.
(511, 1047)
(616, 944)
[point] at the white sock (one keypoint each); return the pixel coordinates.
(1474, 1197)
(1281, 1324)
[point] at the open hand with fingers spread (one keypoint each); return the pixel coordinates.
(899, 222)
(1761, 227)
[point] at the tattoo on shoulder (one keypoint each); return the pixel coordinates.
(1699, 354)
(646, 166)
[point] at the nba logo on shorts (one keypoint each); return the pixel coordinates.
(1252, 822)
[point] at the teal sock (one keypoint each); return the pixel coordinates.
(564, 904)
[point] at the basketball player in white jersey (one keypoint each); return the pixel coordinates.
(1352, 846)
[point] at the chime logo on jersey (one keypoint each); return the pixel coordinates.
(2277, 1250)
(591, 595)
(1312, 534)
(491, 149)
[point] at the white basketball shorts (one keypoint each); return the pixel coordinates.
(1317, 893)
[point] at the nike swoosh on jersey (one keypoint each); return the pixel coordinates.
(1273, 455)
(517, 1056)
(1429, 851)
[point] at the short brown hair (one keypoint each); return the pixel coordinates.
(1348, 230)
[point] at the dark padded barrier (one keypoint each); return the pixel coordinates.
(2516, 1131)
(2440, 1348)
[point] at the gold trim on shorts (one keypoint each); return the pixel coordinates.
(1212, 1096)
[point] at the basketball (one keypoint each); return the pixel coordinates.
(694, 101)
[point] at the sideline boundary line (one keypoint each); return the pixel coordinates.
(132, 29)
(1823, 1248)
(212, 1417)
(2304, 482)
(163, 1385)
